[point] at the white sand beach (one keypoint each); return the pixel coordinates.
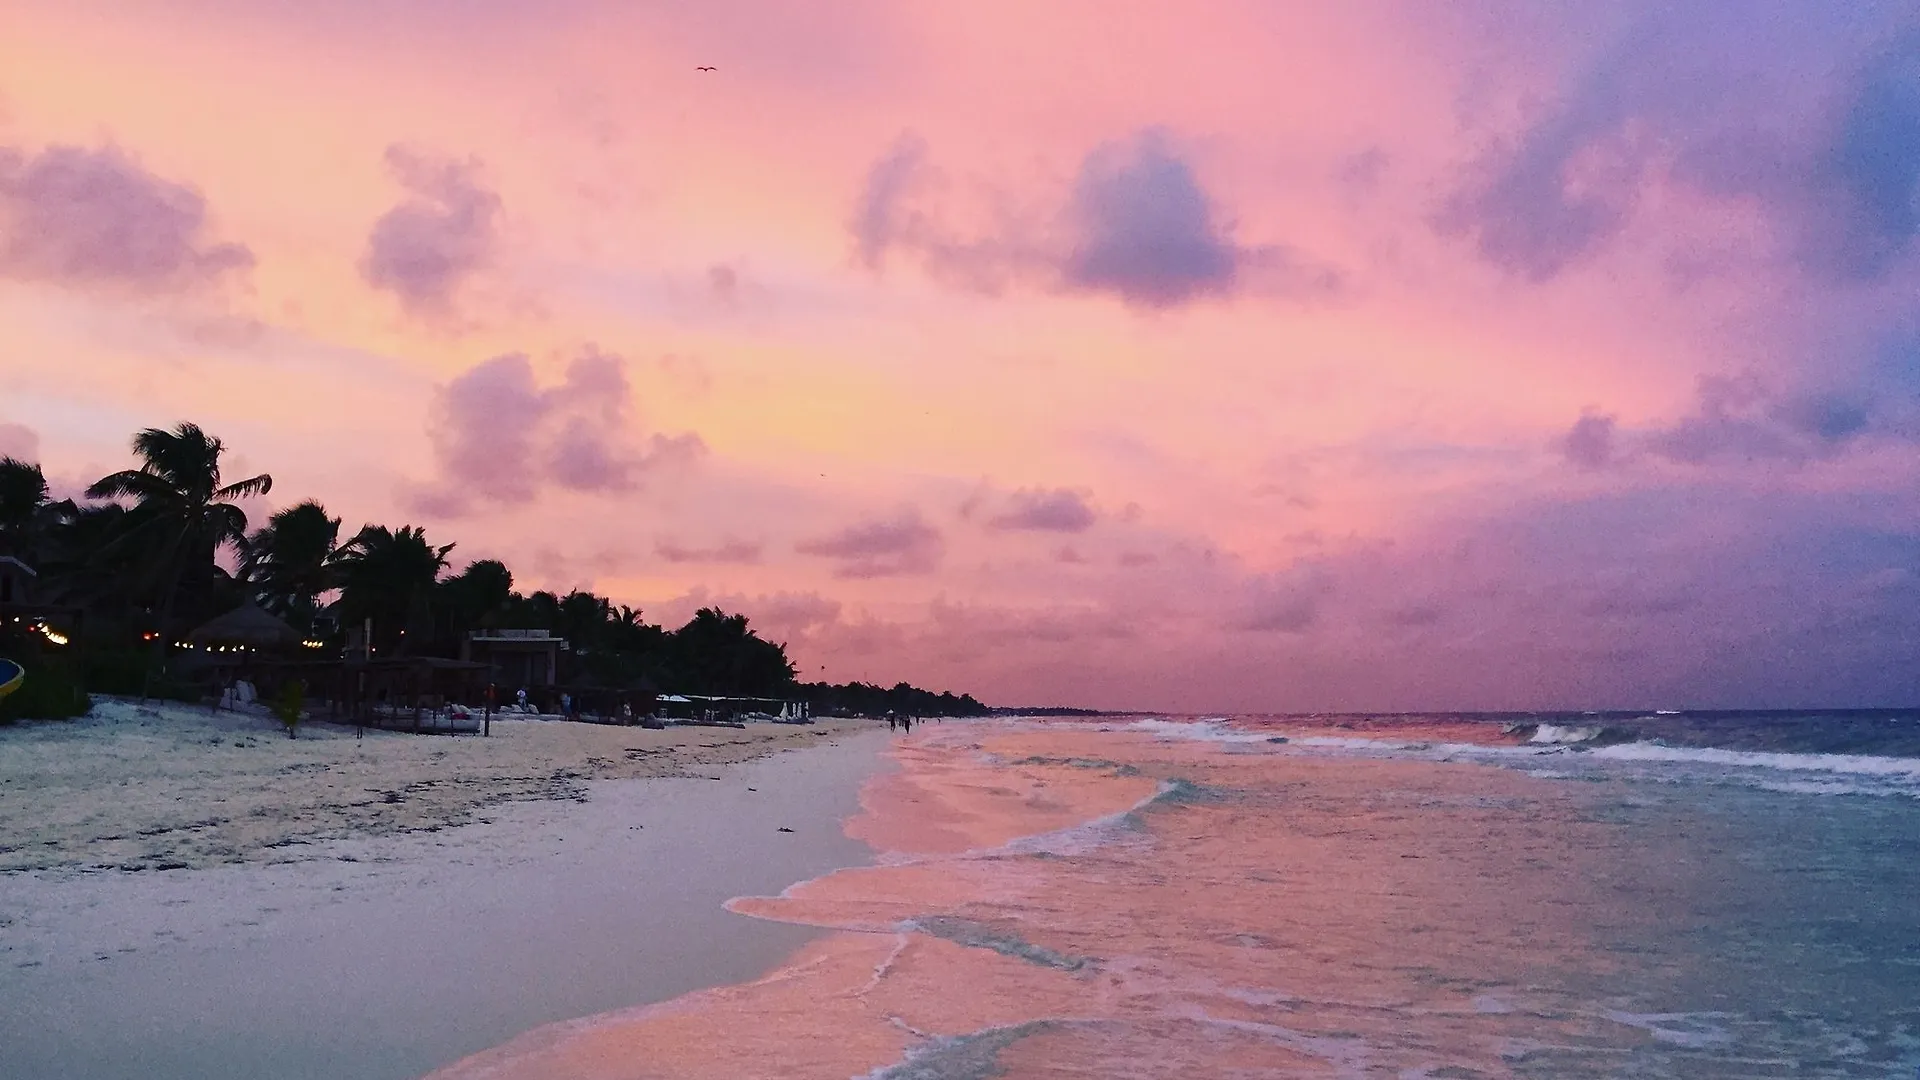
(168, 786)
(406, 941)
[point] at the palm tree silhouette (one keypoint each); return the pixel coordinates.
(182, 514)
(23, 508)
(388, 575)
(290, 561)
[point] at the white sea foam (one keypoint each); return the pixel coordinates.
(1860, 764)
(1550, 734)
(1871, 775)
(1213, 729)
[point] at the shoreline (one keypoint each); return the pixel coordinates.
(385, 956)
(168, 786)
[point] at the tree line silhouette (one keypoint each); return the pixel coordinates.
(140, 558)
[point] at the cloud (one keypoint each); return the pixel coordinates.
(1136, 224)
(1145, 230)
(96, 218)
(1059, 510)
(1288, 603)
(499, 437)
(881, 218)
(789, 615)
(1736, 417)
(1361, 173)
(781, 616)
(426, 247)
(901, 544)
(1589, 444)
(19, 442)
(727, 551)
(1782, 115)
(1552, 196)
(1872, 167)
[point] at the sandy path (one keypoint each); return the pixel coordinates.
(160, 787)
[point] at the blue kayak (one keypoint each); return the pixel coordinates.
(11, 676)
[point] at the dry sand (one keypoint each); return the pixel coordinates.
(382, 957)
(168, 786)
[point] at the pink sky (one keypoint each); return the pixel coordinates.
(1239, 355)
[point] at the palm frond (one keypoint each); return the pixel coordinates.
(252, 485)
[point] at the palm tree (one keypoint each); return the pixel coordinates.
(473, 598)
(23, 506)
(182, 515)
(290, 561)
(388, 575)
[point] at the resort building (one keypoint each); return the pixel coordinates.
(516, 658)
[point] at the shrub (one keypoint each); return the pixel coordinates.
(287, 706)
(122, 672)
(51, 692)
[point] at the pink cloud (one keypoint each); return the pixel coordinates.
(431, 243)
(1135, 224)
(499, 437)
(888, 547)
(96, 218)
(726, 551)
(1058, 510)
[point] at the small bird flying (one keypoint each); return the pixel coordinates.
(703, 68)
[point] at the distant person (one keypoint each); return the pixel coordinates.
(566, 704)
(520, 696)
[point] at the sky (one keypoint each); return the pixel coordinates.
(1236, 355)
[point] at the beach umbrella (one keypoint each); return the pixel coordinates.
(249, 625)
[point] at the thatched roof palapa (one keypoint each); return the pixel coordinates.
(248, 624)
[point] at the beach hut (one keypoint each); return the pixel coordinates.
(247, 628)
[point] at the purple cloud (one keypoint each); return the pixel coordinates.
(1136, 225)
(500, 437)
(1145, 230)
(1555, 194)
(727, 551)
(437, 238)
(1059, 510)
(878, 216)
(1736, 418)
(1782, 113)
(79, 217)
(1288, 603)
(902, 544)
(1872, 168)
(1589, 444)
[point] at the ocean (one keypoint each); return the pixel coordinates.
(1686, 895)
